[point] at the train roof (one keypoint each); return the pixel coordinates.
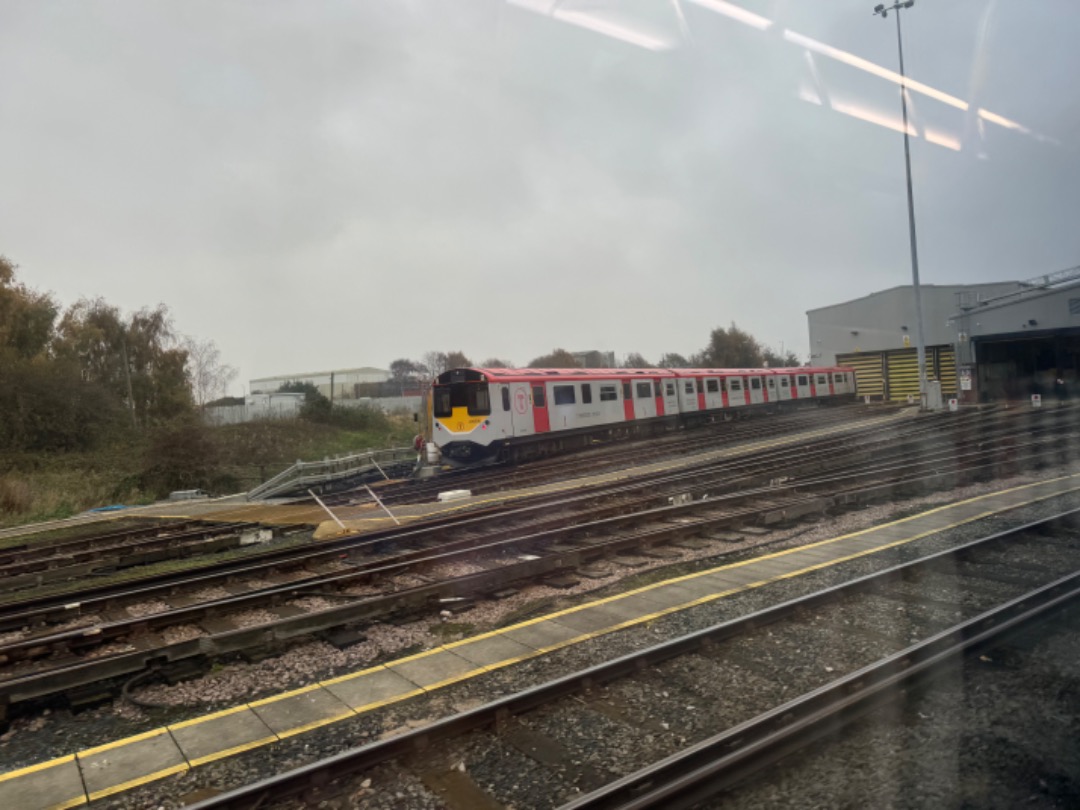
(533, 374)
(518, 374)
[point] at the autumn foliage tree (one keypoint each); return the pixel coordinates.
(44, 402)
(70, 380)
(636, 360)
(138, 359)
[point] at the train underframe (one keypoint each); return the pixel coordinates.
(544, 445)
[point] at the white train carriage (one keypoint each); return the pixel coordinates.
(482, 414)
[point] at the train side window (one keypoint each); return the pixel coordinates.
(656, 389)
(822, 379)
(539, 400)
(736, 384)
(586, 393)
(838, 378)
(755, 383)
(770, 382)
(700, 386)
(442, 402)
(608, 393)
(803, 380)
(783, 382)
(670, 387)
(644, 390)
(564, 395)
(506, 397)
(627, 392)
(712, 386)
(688, 386)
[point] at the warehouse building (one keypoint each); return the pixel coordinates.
(876, 336)
(1022, 342)
(1003, 340)
(337, 384)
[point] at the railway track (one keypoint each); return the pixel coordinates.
(612, 456)
(674, 724)
(36, 565)
(33, 563)
(329, 551)
(43, 663)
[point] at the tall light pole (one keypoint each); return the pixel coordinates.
(920, 340)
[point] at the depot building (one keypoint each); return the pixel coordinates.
(984, 342)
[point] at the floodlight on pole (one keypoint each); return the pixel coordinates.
(920, 341)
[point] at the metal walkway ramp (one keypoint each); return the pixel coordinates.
(336, 474)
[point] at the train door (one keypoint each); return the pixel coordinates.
(658, 391)
(644, 400)
(671, 395)
(687, 395)
(822, 385)
(772, 393)
(804, 385)
(521, 418)
(783, 387)
(628, 400)
(757, 390)
(737, 393)
(541, 421)
(713, 399)
(699, 386)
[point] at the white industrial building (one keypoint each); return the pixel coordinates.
(337, 384)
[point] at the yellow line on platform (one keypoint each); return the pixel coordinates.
(41, 766)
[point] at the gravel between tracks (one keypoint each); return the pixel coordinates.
(1000, 732)
(61, 732)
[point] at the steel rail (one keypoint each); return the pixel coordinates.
(41, 569)
(60, 606)
(42, 682)
(496, 477)
(539, 534)
(718, 763)
(913, 660)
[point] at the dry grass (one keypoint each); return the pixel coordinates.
(14, 495)
(40, 486)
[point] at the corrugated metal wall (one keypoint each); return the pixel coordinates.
(869, 372)
(894, 375)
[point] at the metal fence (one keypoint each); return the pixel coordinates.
(304, 475)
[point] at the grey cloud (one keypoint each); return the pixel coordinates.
(333, 184)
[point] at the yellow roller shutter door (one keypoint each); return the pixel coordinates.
(869, 379)
(903, 375)
(946, 366)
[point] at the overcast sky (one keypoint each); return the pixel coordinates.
(319, 185)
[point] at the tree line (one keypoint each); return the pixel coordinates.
(727, 348)
(73, 377)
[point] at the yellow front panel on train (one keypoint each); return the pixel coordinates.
(460, 421)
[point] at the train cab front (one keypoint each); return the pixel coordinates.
(461, 414)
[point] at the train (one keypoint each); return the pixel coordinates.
(483, 415)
